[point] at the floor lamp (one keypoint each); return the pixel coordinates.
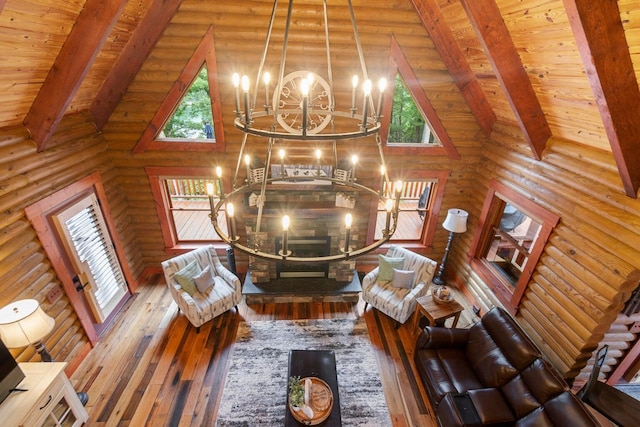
(456, 222)
(24, 323)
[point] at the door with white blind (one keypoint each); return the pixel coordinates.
(86, 238)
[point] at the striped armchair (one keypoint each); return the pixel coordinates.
(201, 307)
(399, 303)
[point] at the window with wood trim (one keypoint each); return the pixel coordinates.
(407, 92)
(183, 205)
(419, 207)
(507, 247)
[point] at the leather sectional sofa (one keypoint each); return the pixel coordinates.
(493, 374)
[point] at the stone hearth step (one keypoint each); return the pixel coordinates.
(305, 289)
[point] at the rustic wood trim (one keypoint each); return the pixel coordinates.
(453, 57)
(398, 63)
(39, 214)
(494, 36)
(497, 195)
(130, 61)
(602, 44)
(204, 53)
(70, 67)
(161, 198)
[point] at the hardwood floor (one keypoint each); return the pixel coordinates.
(152, 368)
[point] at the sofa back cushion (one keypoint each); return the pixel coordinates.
(487, 359)
(510, 337)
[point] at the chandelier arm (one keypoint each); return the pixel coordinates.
(358, 45)
(264, 54)
(283, 59)
(329, 68)
(242, 146)
(263, 188)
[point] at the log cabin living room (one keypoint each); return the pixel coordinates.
(496, 138)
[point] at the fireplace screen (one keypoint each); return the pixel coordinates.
(304, 247)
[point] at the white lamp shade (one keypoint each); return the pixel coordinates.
(456, 221)
(24, 322)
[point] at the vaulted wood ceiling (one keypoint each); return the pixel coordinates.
(559, 68)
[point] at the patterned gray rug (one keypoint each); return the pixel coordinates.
(255, 389)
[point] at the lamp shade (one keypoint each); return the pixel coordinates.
(24, 322)
(456, 221)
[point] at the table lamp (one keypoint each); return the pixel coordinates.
(456, 222)
(24, 322)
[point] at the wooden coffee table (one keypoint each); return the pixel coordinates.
(315, 363)
(436, 313)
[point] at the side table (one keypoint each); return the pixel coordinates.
(436, 313)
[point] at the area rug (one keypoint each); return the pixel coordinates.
(255, 389)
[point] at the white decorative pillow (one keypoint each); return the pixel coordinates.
(204, 281)
(403, 278)
(185, 277)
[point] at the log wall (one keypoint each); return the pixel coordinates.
(27, 176)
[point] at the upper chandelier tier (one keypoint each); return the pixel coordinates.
(300, 105)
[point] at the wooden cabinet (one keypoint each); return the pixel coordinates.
(49, 400)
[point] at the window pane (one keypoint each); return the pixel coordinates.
(190, 209)
(408, 125)
(415, 202)
(514, 235)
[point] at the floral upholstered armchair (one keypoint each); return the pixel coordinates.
(201, 286)
(400, 278)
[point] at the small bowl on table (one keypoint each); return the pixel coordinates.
(442, 295)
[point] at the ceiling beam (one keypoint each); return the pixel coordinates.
(603, 46)
(499, 47)
(453, 57)
(70, 67)
(135, 52)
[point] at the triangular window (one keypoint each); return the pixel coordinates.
(190, 116)
(193, 118)
(408, 125)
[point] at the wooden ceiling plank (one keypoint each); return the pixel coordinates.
(603, 47)
(136, 51)
(494, 36)
(70, 67)
(453, 57)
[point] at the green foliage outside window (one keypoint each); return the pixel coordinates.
(192, 119)
(407, 125)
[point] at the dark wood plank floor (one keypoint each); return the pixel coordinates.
(152, 368)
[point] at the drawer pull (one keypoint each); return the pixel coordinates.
(45, 405)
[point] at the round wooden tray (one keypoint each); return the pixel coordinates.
(321, 401)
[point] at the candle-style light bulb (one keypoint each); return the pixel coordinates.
(348, 219)
(383, 171)
(285, 236)
(245, 91)
(304, 88)
(285, 223)
(398, 193)
(247, 162)
(211, 201)
(354, 86)
(388, 206)
(318, 156)
(365, 108)
(219, 180)
(232, 220)
(266, 78)
(354, 161)
(236, 84)
(282, 162)
(382, 85)
(310, 83)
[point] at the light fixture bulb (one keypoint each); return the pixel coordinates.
(367, 87)
(245, 83)
(398, 186)
(348, 219)
(236, 80)
(382, 84)
(383, 170)
(266, 78)
(281, 154)
(285, 222)
(318, 154)
(218, 171)
(247, 159)
(354, 159)
(230, 210)
(210, 188)
(304, 87)
(354, 81)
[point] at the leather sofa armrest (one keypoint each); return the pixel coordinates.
(437, 336)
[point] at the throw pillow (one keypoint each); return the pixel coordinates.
(204, 280)
(403, 278)
(386, 265)
(185, 277)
